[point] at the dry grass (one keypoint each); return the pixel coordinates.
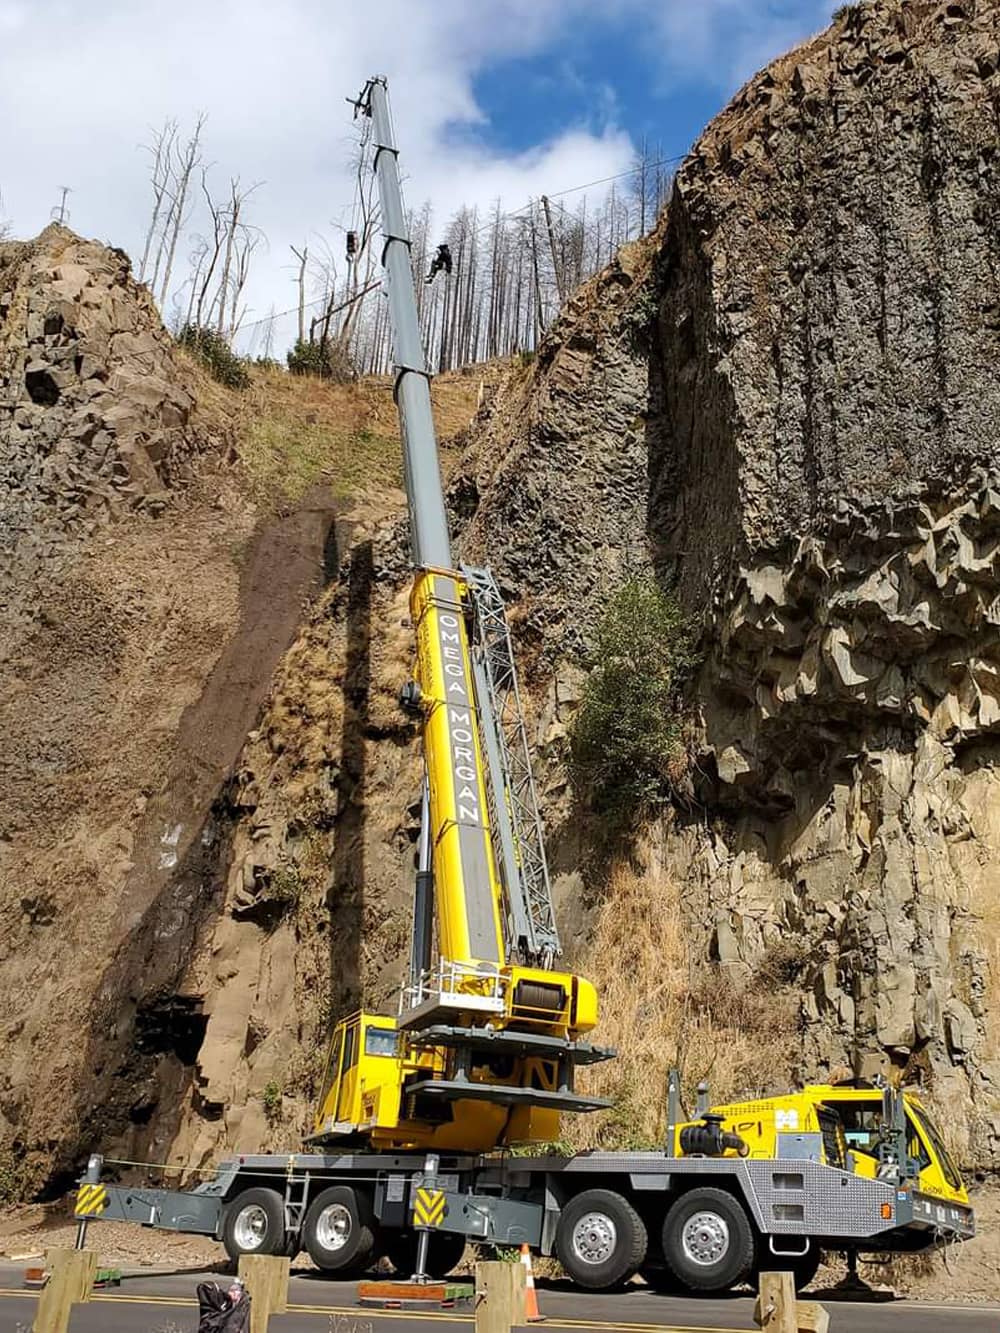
(298, 430)
(662, 1008)
(294, 431)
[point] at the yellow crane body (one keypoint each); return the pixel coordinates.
(519, 1027)
(488, 1034)
(845, 1123)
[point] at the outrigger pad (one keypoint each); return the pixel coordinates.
(402, 1295)
(453, 1090)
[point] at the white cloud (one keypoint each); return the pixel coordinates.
(81, 85)
(721, 43)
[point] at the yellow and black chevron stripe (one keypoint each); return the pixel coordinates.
(428, 1208)
(91, 1200)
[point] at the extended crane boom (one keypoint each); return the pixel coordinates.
(484, 1046)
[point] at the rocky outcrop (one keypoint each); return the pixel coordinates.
(823, 461)
(552, 490)
(95, 414)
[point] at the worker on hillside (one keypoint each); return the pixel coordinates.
(442, 260)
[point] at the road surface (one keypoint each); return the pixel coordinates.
(165, 1303)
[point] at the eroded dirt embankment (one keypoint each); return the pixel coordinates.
(162, 540)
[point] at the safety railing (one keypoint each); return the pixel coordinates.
(474, 987)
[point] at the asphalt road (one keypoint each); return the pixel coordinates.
(165, 1303)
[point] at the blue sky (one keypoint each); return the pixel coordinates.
(660, 76)
(492, 99)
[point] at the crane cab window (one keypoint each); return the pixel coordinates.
(862, 1123)
(945, 1159)
(382, 1041)
(350, 1047)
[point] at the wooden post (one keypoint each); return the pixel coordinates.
(777, 1310)
(71, 1277)
(265, 1277)
(811, 1317)
(499, 1297)
(776, 1304)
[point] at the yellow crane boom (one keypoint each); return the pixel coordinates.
(488, 1034)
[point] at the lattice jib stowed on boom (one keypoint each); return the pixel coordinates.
(510, 784)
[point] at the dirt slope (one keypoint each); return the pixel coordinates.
(159, 539)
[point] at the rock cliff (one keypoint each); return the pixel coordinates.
(824, 410)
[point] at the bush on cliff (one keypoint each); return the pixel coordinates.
(625, 741)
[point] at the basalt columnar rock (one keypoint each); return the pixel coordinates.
(825, 490)
(821, 411)
(94, 412)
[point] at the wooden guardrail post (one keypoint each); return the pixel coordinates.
(265, 1277)
(71, 1277)
(500, 1303)
(777, 1310)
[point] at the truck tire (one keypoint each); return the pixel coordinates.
(337, 1233)
(254, 1223)
(707, 1240)
(443, 1253)
(601, 1240)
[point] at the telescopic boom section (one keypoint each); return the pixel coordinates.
(467, 893)
(484, 1048)
(428, 521)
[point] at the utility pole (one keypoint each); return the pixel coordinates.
(556, 266)
(60, 213)
(429, 522)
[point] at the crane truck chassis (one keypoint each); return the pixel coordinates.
(414, 1151)
(705, 1223)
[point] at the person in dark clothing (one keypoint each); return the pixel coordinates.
(223, 1311)
(442, 260)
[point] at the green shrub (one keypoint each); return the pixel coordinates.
(285, 886)
(625, 741)
(271, 1098)
(327, 360)
(216, 356)
(13, 1176)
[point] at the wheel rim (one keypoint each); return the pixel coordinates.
(594, 1238)
(250, 1227)
(334, 1226)
(705, 1238)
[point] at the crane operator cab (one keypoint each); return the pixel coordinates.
(866, 1129)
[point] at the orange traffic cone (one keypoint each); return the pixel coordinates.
(530, 1295)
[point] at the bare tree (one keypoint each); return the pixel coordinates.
(267, 347)
(4, 222)
(303, 257)
(234, 230)
(247, 241)
(183, 164)
(160, 148)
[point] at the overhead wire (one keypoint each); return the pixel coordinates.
(503, 217)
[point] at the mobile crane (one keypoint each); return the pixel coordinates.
(407, 1157)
